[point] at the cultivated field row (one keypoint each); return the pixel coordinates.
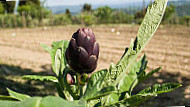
(20, 51)
(169, 47)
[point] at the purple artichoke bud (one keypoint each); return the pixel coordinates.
(83, 51)
(70, 79)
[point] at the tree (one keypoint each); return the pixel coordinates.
(68, 13)
(170, 10)
(104, 14)
(187, 18)
(36, 2)
(9, 6)
(119, 16)
(140, 14)
(24, 8)
(87, 7)
(2, 10)
(34, 8)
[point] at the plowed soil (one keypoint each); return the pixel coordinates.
(170, 48)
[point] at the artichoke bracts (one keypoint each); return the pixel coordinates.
(83, 51)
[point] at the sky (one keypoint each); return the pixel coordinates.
(93, 2)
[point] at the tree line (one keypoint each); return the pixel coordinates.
(32, 13)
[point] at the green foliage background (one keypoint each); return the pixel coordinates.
(32, 13)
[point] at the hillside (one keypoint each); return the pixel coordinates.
(182, 7)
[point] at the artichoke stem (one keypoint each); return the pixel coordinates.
(80, 86)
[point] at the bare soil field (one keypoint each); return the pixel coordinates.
(20, 53)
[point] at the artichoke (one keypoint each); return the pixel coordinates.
(70, 79)
(83, 51)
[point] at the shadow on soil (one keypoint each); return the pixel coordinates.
(174, 98)
(10, 77)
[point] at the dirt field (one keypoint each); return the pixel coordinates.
(20, 53)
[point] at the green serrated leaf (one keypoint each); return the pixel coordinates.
(103, 92)
(7, 98)
(158, 89)
(146, 94)
(18, 96)
(57, 53)
(57, 63)
(148, 27)
(94, 84)
(144, 77)
(45, 47)
(110, 99)
(131, 79)
(93, 103)
(49, 101)
(63, 46)
(40, 78)
(132, 101)
(59, 102)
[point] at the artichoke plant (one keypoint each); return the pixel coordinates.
(83, 51)
(111, 87)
